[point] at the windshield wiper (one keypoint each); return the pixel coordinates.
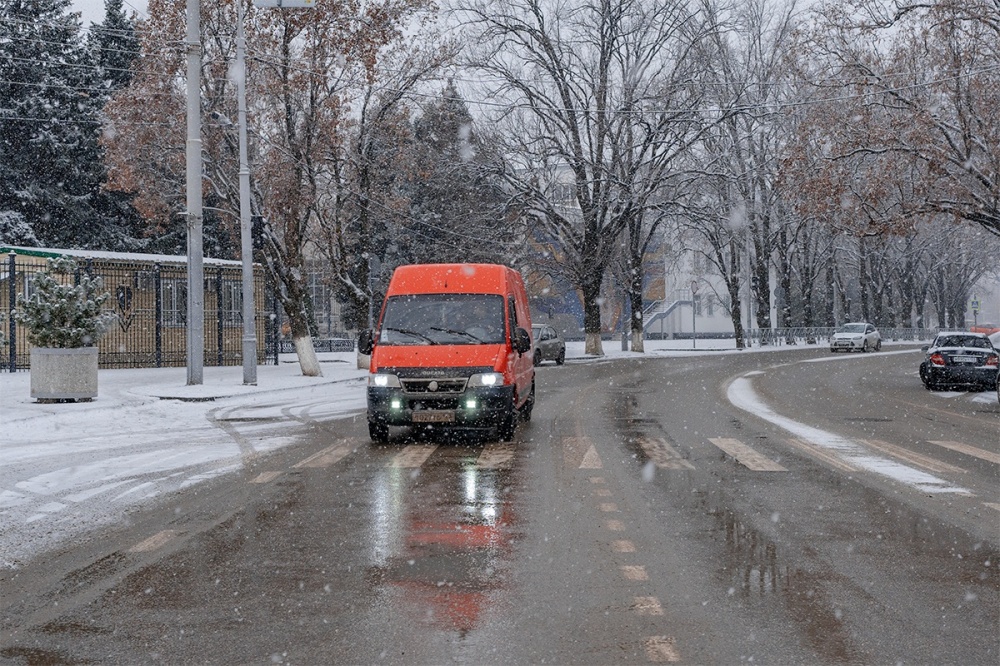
(452, 331)
(406, 331)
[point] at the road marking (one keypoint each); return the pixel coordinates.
(326, 457)
(154, 542)
(266, 477)
(634, 572)
(623, 546)
(615, 525)
(597, 479)
(913, 458)
(647, 606)
(609, 507)
(591, 460)
(496, 456)
(602, 492)
(745, 455)
(662, 649)
(414, 455)
(992, 505)
(970, 451)
(741, 394)
(663, 455)
(819, 453)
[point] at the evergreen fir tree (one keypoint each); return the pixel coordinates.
(457, 205)
(53, 85)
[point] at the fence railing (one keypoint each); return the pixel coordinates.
(819, 334)
(149, 301)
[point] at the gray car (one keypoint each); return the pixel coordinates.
(548, 345)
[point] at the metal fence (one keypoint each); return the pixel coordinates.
(817, 334)
(149, 301)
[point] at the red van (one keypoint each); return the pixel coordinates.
(452, 348)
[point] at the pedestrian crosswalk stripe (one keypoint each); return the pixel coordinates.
(609, 507)
(496, 456)
(970, 451)
(820, 454)
(913, 458)
(663, 455)
(615, 525)
(154, 542)
(413, 455)
(745, 455)
(266, 477)
(326, 457)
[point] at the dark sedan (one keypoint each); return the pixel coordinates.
(960, 359)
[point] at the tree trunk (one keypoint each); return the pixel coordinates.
(592, 317)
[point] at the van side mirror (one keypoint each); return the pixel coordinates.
(522, 341)
(925, 348)
(366, 342)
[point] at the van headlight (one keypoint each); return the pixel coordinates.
(486, 379)
(384, 380)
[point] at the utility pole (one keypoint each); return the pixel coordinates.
(195, 265)
(246, 242)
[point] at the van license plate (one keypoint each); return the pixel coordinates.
(433, 417)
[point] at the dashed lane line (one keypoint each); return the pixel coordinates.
(646, 606)
(266, 477)
(623, 546)
(747, 456)
(662, 649)
(634, 572)
(969, 450)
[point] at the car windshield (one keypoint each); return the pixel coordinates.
(963, 341)
(851, 328)
(443, 319)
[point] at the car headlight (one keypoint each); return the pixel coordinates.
(384, 380)
(486, 379)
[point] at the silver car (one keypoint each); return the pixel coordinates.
(548, 345)
(856, 336)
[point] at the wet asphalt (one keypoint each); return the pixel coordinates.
(638, 517)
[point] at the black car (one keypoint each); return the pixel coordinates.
(548, 345)
(960, 359)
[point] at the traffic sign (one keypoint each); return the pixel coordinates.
(975, 304)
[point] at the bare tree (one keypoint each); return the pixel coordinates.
(597, 108)
(924, 80)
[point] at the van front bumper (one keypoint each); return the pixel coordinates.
(480, 407)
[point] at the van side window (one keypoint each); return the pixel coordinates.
(512, 315)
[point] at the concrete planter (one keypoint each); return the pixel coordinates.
(64, 374)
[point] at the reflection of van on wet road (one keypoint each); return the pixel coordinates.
(452, 348)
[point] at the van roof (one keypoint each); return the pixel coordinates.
(449, 279)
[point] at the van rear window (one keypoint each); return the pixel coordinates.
(443, 319)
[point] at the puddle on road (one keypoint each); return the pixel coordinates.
(442, 540)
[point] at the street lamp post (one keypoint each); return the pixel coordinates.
(246, 241)
(195, 335)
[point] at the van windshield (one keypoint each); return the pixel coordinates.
(443, 319)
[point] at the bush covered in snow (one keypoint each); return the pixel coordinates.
(64, 308)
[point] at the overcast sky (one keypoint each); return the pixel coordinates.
(92, 11)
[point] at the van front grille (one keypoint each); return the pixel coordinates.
(434, 386)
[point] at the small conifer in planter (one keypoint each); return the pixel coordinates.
(64, 321)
